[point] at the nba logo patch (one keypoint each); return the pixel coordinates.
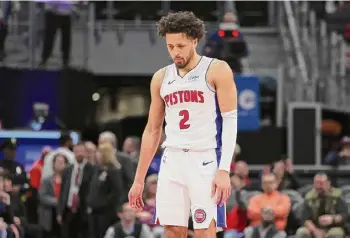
(192, 78)
(199, 215)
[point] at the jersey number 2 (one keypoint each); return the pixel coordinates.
(185, 117)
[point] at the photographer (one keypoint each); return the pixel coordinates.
(227, 43)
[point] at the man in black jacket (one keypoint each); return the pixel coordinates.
(128, 168)
(9, 147)
(17, 206)
(72, 208)
(105, 195)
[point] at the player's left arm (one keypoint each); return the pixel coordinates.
(226, 91)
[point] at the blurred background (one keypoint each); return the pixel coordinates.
(78, 69)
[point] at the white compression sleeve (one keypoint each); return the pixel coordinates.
(228, 137)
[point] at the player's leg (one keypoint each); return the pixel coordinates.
(207, 216)
(175, 231)
(209, 232)
(172, 200)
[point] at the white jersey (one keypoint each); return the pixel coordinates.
(192, 116)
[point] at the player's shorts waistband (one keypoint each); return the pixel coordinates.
(187, 149)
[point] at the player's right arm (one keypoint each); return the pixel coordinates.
(153, 131)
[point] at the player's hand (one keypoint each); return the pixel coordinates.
(221, 187)
(135, 196)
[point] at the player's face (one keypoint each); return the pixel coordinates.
(181, 48)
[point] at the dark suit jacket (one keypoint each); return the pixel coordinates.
(83, 190)
(18, 208)
(106, 190)
(128, 170)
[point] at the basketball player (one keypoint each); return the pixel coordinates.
(197, 96)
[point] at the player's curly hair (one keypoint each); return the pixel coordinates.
(181, 22)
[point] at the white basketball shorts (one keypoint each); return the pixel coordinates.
(184, 186)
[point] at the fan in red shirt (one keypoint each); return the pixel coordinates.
(36, 171)
(237, 218)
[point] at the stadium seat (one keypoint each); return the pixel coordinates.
(305, 189)
(248, 195)
(294, 196)
(345, 190)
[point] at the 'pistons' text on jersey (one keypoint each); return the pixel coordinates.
(192, 116)
(184, 96)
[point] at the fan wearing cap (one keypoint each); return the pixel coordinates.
(8, 163)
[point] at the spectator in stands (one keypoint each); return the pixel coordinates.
(266, 229)
(48, 196)
(149, 198)
(106, 191)
(35, 181)
(17, 171)
(7, 227)
(43, 119)
(90, 152)
(283, 170)
(231, 46)
(5, 230)
(127, 166)
(240, 182)
(131, 146)
(146, 216)
(72, 203)
(17, 206)
(324, 212)
(65, 148)
(25, 228)
(128, 226)
(340, 157)
(271, 200)
(36, 170)
(241, 170)
(57, 16)
(237, 217)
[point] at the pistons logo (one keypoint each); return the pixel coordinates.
(199, 215)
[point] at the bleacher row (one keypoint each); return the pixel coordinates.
(211, 11)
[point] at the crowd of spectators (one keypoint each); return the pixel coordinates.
(76, 191)
(81, 191)
(281, 206)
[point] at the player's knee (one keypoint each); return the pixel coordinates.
(175, 231)
(209, 232)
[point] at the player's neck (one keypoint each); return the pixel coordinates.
(192, 64)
